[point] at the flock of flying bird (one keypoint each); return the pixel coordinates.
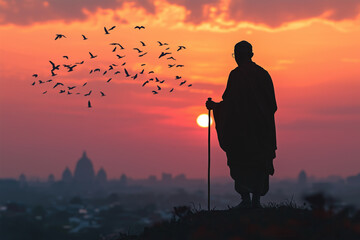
(67, 89)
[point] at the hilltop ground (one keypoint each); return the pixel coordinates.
(317, 221)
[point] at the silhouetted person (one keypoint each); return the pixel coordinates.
(245, 126)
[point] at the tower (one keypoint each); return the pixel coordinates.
(302, 178)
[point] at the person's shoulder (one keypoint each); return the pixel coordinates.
(235, 70)
(259, 68)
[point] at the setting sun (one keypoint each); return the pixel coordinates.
(202, 120)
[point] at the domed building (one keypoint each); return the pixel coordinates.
(84, 171)
(101, 176)
(67, 175)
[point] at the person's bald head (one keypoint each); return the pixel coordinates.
(243, 51)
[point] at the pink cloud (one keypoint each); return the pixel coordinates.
(271, 13)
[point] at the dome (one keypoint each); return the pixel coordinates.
(84, 171)
(101, 176)
(66, 175)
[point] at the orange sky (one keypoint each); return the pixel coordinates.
(310, 49)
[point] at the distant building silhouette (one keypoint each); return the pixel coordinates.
(180, 178)
(51, 178)
(123, 179)
(67, 175)
(302, 178)
(166, 177)
(101, 176)
(84, 171)
(152, 179)
(22, 180)
(353, 179)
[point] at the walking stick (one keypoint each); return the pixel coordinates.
(209, 99)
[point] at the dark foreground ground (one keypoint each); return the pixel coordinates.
(271, 222)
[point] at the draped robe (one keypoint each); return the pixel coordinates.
(246, 127)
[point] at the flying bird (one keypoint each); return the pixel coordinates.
(154, 92)
(177, 77)
(80, 62)
(162, 81)
(151, 72)
(171, 65)
(139, 27)
(110, 67)
(69, 67)
(114, 49)
(171, 58)
(137, 49)
(143, 64)
(109, 80)
(84, 38)
(104, 72)
(58, 36)
(54, 67)
(118, 44)
(62, 91)
(84, 84)
(142, 54)
(126, 72)
(88, 94)
(53, 74)
(146, 82)
(181, 47)
(135, 76)
(158, 87)
(69, 93)
(66, 57)
(142, 71)
(50, 80)
(33, 83)
(183, 82)
(91, 71)
(44, 92)
(163, 54)
(171, 90)
(102, 94)
(117, 72)
(119, 56)
(112, 28)
(106, 31)
(189, 85)
(123, 64)
(160, 43)
(97, 70)
(114, 65)
(89, 104)
(40, 82)
(35, 75)
(71, 88)
(142, 43)
(157, 80)
(92, 56)
(57, 84)
(179, 65)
